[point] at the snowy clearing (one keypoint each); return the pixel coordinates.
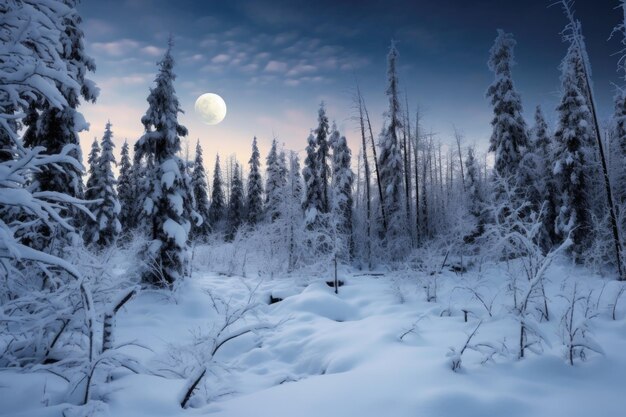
(376, 348)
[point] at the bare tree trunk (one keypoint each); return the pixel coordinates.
(441, 179)
(459, 138)
(433, 183)
(407, 163)
(417, 181)
(357, 200)
(380, 187)
(368, 201)
(425, 163)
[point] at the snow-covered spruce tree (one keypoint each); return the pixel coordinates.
(39, 290)
(619, 137)
(90, 228)
(342, 188)
(56, 127)
(475, 196)
(543, 152)
(509, 137)
(165, 200)
(573, 63)
(618, 126)
(107, 209)
(275, 180)
(201, 197)
(236, 204)
(92, 160)
(254, 196)
(125, 190)
(189, 200)
(390, 160)
(322, 133)
(530, 178)
(218, 201)
(291, 209)
(52, 125)
(142, 174)
(312, 201)
(573, 131)
(618, 131)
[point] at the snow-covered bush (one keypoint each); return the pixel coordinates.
(576, 326)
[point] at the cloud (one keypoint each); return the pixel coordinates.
(116, 48)
(125, 80)
(220, 59)
(258, 55)
(125, 47)
(152, 50)
(276, 66)
(300, 69)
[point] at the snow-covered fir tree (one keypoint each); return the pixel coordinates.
(236, 204)
(92, 161)
(342, 180)
(218, 201)
(619, 138)
(142, 174)
(106, 211)
(189, 200)
(39, 290)
(531, 173)
(312, 201)
(199, 187)
(275, 179)
(322, 133)
(166, 197)
(569, 166)
(254, 195)
(475, 196)
(291, 208)
(390, 161)
(542, 149)
(54, 126)
(125, 190)
(509, 137)
(574, 64)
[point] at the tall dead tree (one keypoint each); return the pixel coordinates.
(380, 187)
(406, 138)
(416, 169)
(366, 167)
(458, 137)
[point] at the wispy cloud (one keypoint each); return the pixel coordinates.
(220, 59)
(259, 56)
(276, 66)
(125, 48)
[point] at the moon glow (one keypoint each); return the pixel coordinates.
(211, 108)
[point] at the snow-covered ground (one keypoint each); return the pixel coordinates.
(377, 348)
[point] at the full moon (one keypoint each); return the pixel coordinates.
(211, 108)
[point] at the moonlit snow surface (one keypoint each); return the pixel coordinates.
(377, 348)
(211, 108)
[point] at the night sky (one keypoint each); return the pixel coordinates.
(274, 61)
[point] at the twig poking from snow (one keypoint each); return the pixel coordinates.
(192, 387)
(617, 297)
